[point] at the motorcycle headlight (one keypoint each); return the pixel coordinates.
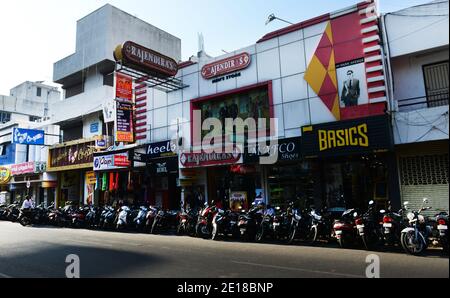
(410, 216)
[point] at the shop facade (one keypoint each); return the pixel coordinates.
(31, 179)
(71, 162)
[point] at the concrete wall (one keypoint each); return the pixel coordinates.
(418, 28)
(101, 31)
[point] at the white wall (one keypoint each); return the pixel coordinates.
(408, 75)
(418, 28)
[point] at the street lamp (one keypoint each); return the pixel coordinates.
(272, 17)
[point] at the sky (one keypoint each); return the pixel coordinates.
(35, 34)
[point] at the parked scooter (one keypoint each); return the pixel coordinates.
(249, 222)
(321, 225)
(124, 218)
(187, 222)
(164, 221)
(140, 219)
(415, 238)
(300, 227)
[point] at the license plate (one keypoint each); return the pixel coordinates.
(387, 225)
(184, 220)
(232, 222)
(338, 232)
(359, 227)
(442, 227)
(242, 231)
(387, 231)
(276, 224)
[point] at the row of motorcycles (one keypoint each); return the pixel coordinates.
(370, 229)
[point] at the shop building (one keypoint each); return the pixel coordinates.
(418, 61)
(325, 71)
(87, 113)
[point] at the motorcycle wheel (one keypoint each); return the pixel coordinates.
(181, 230)
(292, 234)
(25, 221)
(214, 234)
(411, 245)
(342, 242)
(260, 234)
(155, 229)
(205, 232)
(370, 241)
(313, 235)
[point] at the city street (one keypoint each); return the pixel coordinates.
(42, 252)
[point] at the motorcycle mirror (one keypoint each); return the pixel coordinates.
(371, 203)
(405, 203)
(355, 214)
(278, 208)
(382, 211)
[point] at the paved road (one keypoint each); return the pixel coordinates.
(42, 251)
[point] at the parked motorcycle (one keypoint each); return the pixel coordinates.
(164, 221)
(108, 218)
(124, 218)
(225, 223)
(150, 217)
(442, 230)
(321, 225)
(204, 222)
(187, 222)
(393, 224)
(93, 217)
(249, 222)
(415, 238)
(367, 226)
(344, 228)
(300, 227)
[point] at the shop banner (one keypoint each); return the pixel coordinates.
(161, 149)
(77, 155)
(287, 150)
(90, 177)
(124, 123)
(111, 161)
(197, 160)
(28, 136)
(28, 167)
(367, 135)
(226, 66)
(238, 201)
(164, 166)
(124, 87)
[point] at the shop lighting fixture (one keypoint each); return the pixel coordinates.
(272, 17)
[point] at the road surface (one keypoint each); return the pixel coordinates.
(42, 252)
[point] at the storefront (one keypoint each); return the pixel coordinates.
(30, 178)
(71, 161)
(112, 180)
(353, 162)
(5, 177)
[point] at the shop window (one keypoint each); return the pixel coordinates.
(74, 90)
(424, 170)
(38, 91)
(108, 79)
(436, 83)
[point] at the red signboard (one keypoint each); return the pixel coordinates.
(124, 87)
(24, 168)
(146, 60)
(121, 160)
(203, 159)
(226, 66)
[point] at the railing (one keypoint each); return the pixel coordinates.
(422, 102)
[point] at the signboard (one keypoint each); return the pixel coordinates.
(161, 149)
(5, 175)
(90, 178)
(164, 166)
(124, 123)
(94, 127)
(111, 161)
(365, 135)
(196, 160)
(226, 66)
(146, 60)
(287, 150)
(73, 156)
(124, 87)
(28, 168)
(28, 136)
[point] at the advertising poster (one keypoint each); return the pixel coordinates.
(124, 87)
(238, 201)
(352, 85)
(259, 196)
(28, 136)
(124, 123)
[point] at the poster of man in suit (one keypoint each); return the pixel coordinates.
(352, 83)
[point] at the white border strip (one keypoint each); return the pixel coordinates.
(373, 58)
(377, 100)
(374, 68)
(370, 29)
(376, 79)
(376, 89)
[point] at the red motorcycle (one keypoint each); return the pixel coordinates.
(204, 225)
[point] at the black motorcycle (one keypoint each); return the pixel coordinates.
(442, 230)
(415, 238)
(367, 226)
(300, 227)
(93, 217)
(321, 225)
(249, 222)
(225, 223)
(344, 229)
(164, 221)
(393, 224)
(186, 222)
